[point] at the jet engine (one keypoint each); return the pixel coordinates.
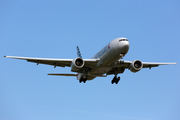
(135, 66)
(77, 64)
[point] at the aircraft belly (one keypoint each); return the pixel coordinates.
(102, 70)
(91, 77)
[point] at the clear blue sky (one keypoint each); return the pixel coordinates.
(53, 29)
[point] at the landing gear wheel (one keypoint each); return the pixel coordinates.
(112, 82)
(82, 80)
(115, 80)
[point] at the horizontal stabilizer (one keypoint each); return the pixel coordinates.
(63, 74)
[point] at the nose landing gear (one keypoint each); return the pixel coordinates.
(115, 80)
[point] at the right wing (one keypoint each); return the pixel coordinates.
(57, 74)
(56, 62)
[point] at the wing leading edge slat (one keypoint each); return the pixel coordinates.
(57, 74)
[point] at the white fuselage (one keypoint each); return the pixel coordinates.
(105, 62)
(108, 57)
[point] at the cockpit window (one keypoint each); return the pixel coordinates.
(123, 40)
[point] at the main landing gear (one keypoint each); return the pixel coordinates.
(115, 80)
(82, 80)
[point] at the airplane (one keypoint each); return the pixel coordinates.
(108, 61)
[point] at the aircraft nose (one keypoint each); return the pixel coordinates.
(125, 46)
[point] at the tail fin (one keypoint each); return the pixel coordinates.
(78, 52)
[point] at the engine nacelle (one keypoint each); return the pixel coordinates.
(77, 64)
(136, 66)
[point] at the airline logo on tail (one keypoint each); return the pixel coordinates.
(78, 52)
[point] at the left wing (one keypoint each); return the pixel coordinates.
(122, 65)
(56, 62)
(145, 64)
(153, 64)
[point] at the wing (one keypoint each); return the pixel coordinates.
(122, 65)
(126, 64)
(153, 64)
(56, 74)
(56, 62)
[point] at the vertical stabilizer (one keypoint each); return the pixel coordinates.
(78, 52)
